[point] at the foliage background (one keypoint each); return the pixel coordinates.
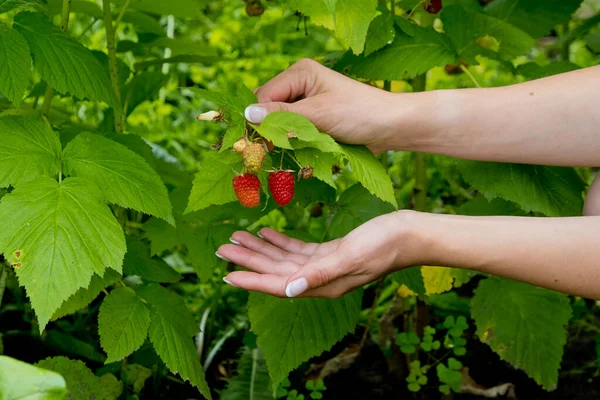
(128, 332)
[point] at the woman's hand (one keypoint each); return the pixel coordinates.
(350, 111)
(286, 267)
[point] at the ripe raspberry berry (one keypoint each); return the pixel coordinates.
(254, 156)
(240, 145)
(247, 190)
(433, 6)
(281, 185)
(306, 173)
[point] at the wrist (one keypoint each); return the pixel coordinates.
(426, 121)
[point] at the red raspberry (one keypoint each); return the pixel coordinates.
(247, 190)
(281, 184)
(433, 6)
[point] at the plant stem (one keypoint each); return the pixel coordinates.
(371, 314)
(121, 15)
(3, 279)
(64, 25)
(112, 62)
(470, 75)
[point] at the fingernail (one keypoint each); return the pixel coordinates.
(259, 235)
(255, 114)
(229, 283)
(296, 288)
(222, 258)
(235, 242)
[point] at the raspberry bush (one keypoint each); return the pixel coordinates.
(114, 196)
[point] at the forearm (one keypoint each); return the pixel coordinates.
(551, 121)
(557, 253)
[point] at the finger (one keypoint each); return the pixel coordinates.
(287, 243)
(317, 274)
(265, 283)
(253, 243)
(338, 288)
(290, 85)
(254, 261)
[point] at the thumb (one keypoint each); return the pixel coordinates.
(314, 275)
(256, 113)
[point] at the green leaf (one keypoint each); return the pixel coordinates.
(535, 71)
(412, 278)
(144, 22)
(465, 27)
(63, 62)
(355, 207)
(15, 64)
(553, 191)
(136, 376)
(251, 380)
(20, 381)
(381, 32)
(370, 173)
(534, 17)
(8, 5)
(162, 236)
(28, 149)
(280, 126)
(60, 235)
(202, 242)
(524, 324)
(138, 262)
(406, 57)
(67, 344)
(124, 177)
(123, 323)
(291, 331)
(82, 384)
(593, 42)
(145, 86)
(322, 163)
(213, 182)
(85, 296)
(350, 19)
(480, 206)
(171, 329)
(437, 279)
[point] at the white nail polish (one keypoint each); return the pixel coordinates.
(235, 242)
(255, 114)
(296, 288)
(222, 258)
(229, 283)
(259, 235)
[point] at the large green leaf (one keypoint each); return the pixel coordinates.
(465, 27)
(82, 384)
(524, 324)
(143, 87)
(381, 32)
(553, 191)
(411, 278)
(124, 177)
(28, 149)
(85, 296)
(138, 262)
(284, 128)
(58, 235)
(15, 64)
(534, 71)
(251, 380)
(123, 323)
(171, 330)
(355, 207)
(291, 331)
(533, 16)
(370, 173)
(202, 241)
(350, 19)
(321, 162)
(213, 182)
(406, 57)
(21, 381)
(63, 62)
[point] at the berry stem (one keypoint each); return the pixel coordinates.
(470, 75)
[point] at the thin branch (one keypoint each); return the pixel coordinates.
(121, 15)
(112, 62)
(470, 75)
